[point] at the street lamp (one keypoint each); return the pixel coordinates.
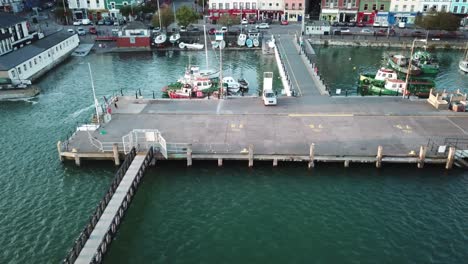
(410, 64)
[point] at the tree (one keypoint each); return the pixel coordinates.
(167, 17)
(185, 16)
(228, 20)
(126, 10)
(60, 14)
(438, 20)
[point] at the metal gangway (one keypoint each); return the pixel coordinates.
(95, 238)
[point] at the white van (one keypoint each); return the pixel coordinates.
(268, 95)
(401, 24)
(86, 22)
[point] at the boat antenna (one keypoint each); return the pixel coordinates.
(206, 46)
(96, 103)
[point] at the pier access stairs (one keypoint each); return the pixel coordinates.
(460, 145)
(144, 139)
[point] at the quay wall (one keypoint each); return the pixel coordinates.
(387, 43)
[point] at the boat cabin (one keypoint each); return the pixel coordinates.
(202, 83)
(395, 85)
(384, 74)
(400, 60)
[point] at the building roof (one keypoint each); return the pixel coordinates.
(23, 54)
(135, 25)
(4, 36)
(7, 20)
(316, 23)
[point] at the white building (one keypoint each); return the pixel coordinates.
(82, 8)
(434, 5)
(14, 32)
(14, 6)
(271, 9)
(32, 61)
(404, 6)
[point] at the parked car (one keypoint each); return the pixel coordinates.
(253, 30)
(224, 29)
(100, 22)
(384, 32)
(345, 31)
(401, 24)
(342, 24)
(376, 24)
(366, 31)
(193, 29)
(418, 33)
(334, 24)
(252, 21)
(351, 24)
(92, 30)
(384, 24)
(86, 22)
(360, 24)
(71, 31)
(81, 31)
(244, 21)
(108, 22)
(211, 31)
(77, 23)
(262, 26)
(182, 29)
(284, 22)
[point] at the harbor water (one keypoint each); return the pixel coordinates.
(208, 214)
(352, 61)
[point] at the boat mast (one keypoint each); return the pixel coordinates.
(159, 14)
(220, 69)
(96, 103)
(206, 46)
(173, 9)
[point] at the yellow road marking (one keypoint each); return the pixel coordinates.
(320, 115)
(404, 128)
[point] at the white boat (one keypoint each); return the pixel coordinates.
(215, 44)
(82, 50)
(198, 46)
(268, 46)
(232, 85)
(256, 43)
(160, 39)
(463, 65)
(241, 39)
(174, 38)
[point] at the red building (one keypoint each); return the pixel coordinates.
(134, 35)
(244, 8)
(245, 13)
(339, 10)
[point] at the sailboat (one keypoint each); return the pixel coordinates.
(175, 37)
(463, 65)
(241, 39)
(208, 72)
(161, 38)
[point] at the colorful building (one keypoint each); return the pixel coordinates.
(459, 7)
(14, 32)
(294, 10)
(339, 10)
(369, 9)
(435, 5)
(271, 9)
(87, 8)
(244, 8)
(403, 11)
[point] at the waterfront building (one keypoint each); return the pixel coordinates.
(340, 10)
(373, 10)
(435, 5)
(294, 10)
(403, 11)
(134, 34)
(244, 8)
(271, 9)
(30, 62)
(14, 6)
(459, 7)
(14, 32)
(318, 27)
(92, 9)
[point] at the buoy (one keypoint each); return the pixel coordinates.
(354, 68)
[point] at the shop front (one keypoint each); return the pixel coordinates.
(406, 17)
(347, 16)
(215, 14)
(367, 18)
(330, 14)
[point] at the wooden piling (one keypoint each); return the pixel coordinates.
(77, 160)
(311, 156)
(220, 162)
(189, 155)
(59, 149)
(346, 163)
(251, 152)
(275, 162)
(422, 156)
(378, 163)
(450, 158)
(115, 150)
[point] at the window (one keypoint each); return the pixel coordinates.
(112, 5)
(286, 6)
(89, 4)
(277, 4)
(97, 2)
(300, 6)
(366, 6)
(13, 74)
(270, 4)
(404, 8)
(24, 67)
(254, 5)
(132, 40)
(293, 6)
(425, 7)
(263, 4)
(247, 5)
(19, 70)
(125, 3)
(49, 54)
(455, 9)
(227, 5)
(462, 10)
(382, 7)
(234, 5)
(220, 5)
(395, 8)
(40, 58)
(412, 8)
(213, 6)
(444, 8)
(35, 61)
(374, 7)
(241, 5)
(30, 64)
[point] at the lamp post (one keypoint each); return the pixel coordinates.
(65, 11)
(410, 65)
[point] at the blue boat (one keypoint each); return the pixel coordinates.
(249, 43)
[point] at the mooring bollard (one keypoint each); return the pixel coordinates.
(220, 162)
(121, 91)
(115, 150)
(346, 163)
(153, 95)
(275, 162)
(450, 158)
(189, 155)
(59, 149)
(378, 163)
(251, 150)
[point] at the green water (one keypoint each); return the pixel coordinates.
(210, 214)
(353, 61)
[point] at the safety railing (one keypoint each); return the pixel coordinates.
(93, 220)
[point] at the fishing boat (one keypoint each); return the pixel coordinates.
(256, 43)
(400, 64)
(268, 46)
(463, 64)
(426, 62)
(241, 39)
(378, 78)
(185, 92)
(160, 39)
(249, 42)
(174, 38)
(197, 46)
(420, 88)
(244, 84)
(208, 72)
